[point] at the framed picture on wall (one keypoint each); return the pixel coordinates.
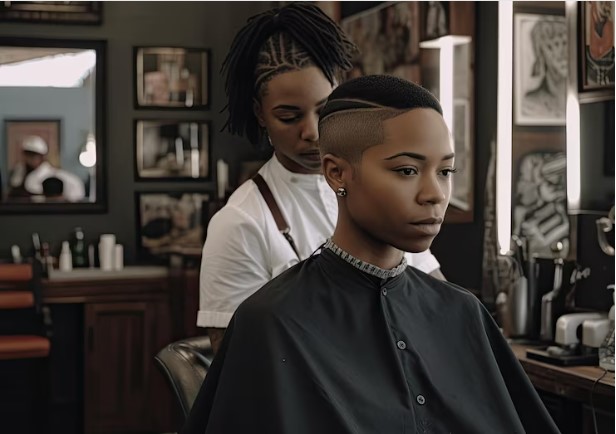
(540, 69)
(388, 40)
(52, 12)
(171, 223)
(18, 130)
(172, 149)
(596, 32)
(171, 77)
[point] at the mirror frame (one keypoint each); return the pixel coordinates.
(100, 206)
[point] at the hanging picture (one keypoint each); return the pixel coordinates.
(172, 77)
(172, 149)
(52, 12)
(597, 46)
(541, 69)
(540, 202)
(388, 40)
(171, 222)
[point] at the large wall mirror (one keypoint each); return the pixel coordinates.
(52, 126)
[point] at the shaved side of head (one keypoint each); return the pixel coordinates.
(352, 119)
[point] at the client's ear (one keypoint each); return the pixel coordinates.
(337, 171)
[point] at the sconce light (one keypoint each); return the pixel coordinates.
(503, 125)
(445, 45)
(87, 157)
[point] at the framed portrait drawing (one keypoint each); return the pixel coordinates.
(171, 222)
(17, 130)
(171, 77)
(52, 12)
(540, 69)
(596, 32)
(388, 40)
(172, 150)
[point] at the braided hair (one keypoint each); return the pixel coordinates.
(271, 43)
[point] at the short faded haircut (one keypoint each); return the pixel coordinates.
(352, 119)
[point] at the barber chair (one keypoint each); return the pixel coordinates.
(184, 364)
(25, 331)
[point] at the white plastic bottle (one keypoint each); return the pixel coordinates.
(66, 259)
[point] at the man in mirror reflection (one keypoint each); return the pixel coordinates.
(27, 177)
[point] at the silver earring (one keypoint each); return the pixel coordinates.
(341, 191)
(269, 140)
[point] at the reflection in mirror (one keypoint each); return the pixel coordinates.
(51, 125)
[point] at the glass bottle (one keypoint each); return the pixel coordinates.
(79, 250)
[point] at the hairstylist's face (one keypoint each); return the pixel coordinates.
(402, 187)
(289, 110)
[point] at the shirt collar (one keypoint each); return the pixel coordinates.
(365, 266)
(300, 179)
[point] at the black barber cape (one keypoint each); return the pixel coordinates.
(326, 348)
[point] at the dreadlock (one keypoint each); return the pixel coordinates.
(271, 43)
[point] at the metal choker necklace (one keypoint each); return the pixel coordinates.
(364, 266)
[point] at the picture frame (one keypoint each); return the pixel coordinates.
(167, 150)
(392, 25)
(171, 223)
(539, 96)
(596, 49)
(172, 77)
(16, 130)
(52, 12)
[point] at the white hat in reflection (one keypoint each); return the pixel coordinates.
(34, 144)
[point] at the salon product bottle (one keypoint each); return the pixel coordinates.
(78, 249)
(66, 259)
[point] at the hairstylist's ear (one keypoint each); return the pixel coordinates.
(337, 171)
(258, 111)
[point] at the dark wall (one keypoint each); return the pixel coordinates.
(125, 25)
(597, 156)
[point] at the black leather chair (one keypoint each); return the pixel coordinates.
(184, 364)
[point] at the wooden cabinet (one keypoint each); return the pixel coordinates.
(120, 384)
(125, 323)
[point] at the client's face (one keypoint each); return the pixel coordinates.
(403, 186)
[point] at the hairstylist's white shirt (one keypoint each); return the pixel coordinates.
(244, 248)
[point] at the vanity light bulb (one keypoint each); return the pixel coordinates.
(88, 158)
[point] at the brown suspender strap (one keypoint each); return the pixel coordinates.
(282, 224)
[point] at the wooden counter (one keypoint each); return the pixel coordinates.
(580, 392)
(573, 382)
